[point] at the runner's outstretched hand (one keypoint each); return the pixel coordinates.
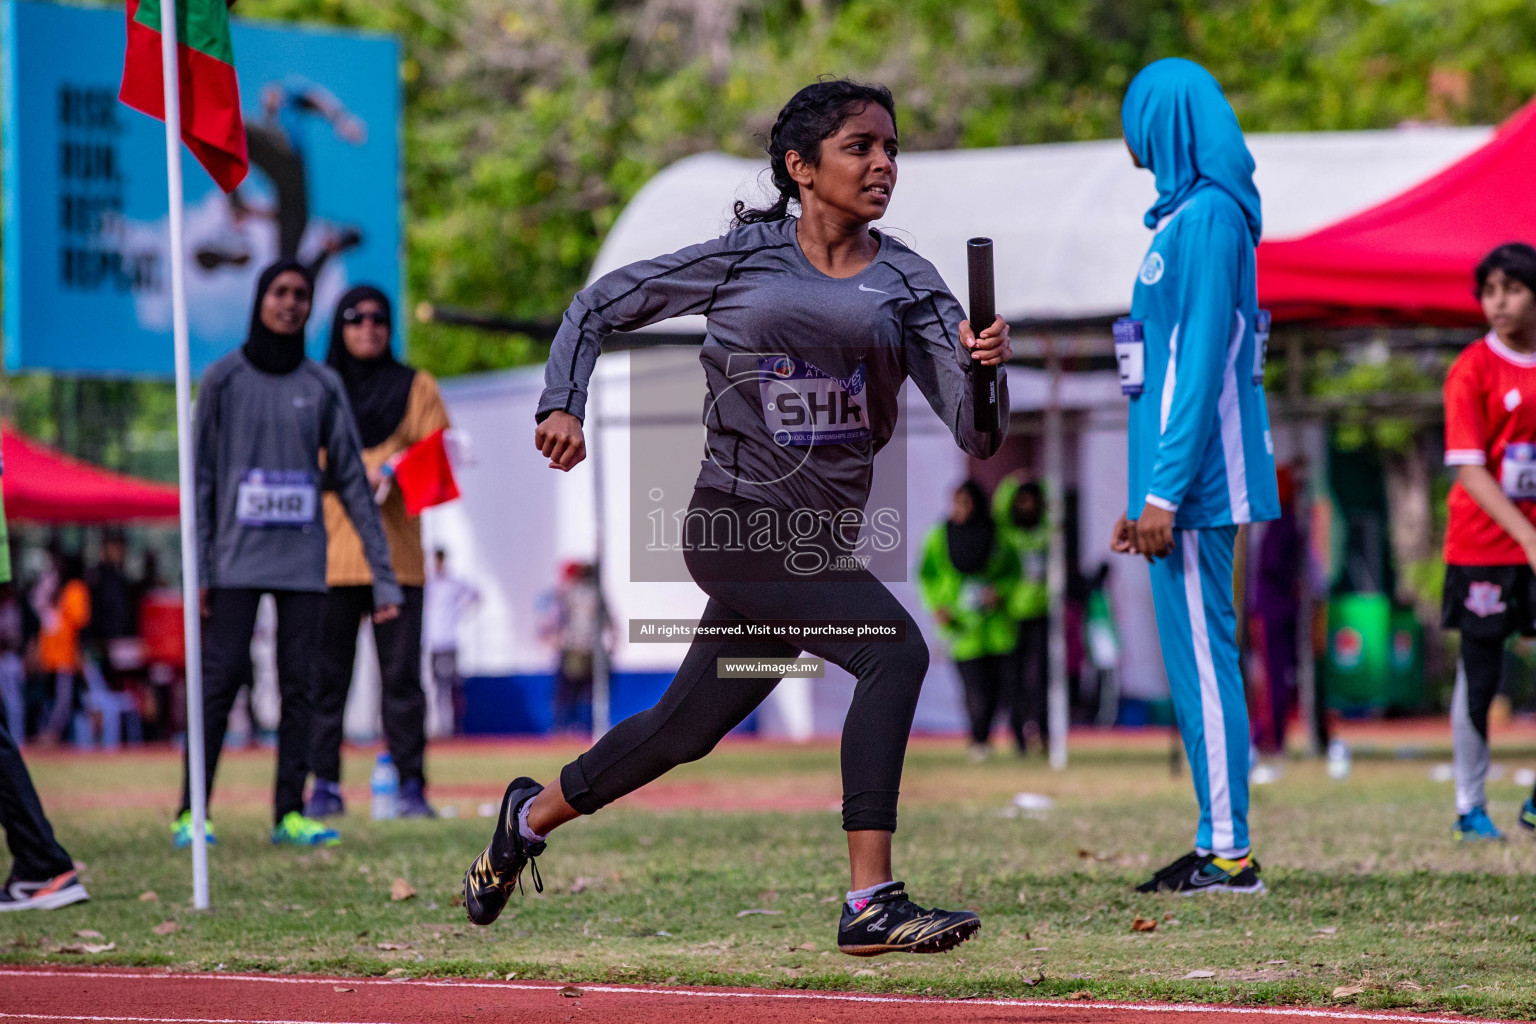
(560, 440)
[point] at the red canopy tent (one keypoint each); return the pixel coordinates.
(1410, 259)
(43, 485)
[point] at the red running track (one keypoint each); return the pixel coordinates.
(45, 995)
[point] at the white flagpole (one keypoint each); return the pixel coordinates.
(191, 613)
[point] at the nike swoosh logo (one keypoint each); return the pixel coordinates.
(1195, 879)
(877, 291)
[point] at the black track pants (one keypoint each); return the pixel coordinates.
(1031, 676)
(699, 708)
(35, 854)
(403, 703)
(985, 681)
(227, 664)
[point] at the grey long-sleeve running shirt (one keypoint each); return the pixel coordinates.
(260, 522)
(802, 370)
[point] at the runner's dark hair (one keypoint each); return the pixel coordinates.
(812, 115)
(1516, 259)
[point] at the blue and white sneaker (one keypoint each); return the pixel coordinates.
(1528, 814)
(181, 831)
(1475, 826)
(297, 830)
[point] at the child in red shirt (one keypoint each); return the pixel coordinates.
(1490, 542)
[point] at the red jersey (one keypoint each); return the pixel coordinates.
(1490, 420)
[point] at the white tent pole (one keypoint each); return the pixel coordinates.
(602, 696)
(1057, 699)
(196, 770)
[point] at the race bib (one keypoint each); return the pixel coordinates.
(1517, 474)
(1033, 566)
(1131, 355)
(804, 406)
(1260, 345)
(283, 497)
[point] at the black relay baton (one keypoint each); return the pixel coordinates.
(978, 259)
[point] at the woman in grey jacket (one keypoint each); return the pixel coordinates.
(264, 416)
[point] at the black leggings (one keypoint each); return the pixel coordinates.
(403, 703)
(36, 854)
(986, 681)
(699, 708)
(227, 666)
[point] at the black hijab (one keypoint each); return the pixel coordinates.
(267, 350)
(379, 389)
(970, 542)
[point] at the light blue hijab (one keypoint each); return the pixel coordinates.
(1181, 127)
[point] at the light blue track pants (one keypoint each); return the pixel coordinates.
(1192, 590)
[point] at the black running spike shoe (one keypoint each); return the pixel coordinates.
(1214, 874)
(1205, 872)
(499, 868)
(1160, 881)
(892, 923)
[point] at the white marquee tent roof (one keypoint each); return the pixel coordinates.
(1066, 217)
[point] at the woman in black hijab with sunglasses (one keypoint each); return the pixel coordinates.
(396, 407)
(265, 415)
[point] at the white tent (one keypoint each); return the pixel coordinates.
(1067, 222)
(1066, 217)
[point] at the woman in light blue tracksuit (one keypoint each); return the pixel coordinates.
(1201, 460)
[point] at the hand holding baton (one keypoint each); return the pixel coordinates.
(978, 252)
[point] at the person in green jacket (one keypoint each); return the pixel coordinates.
(967, 573)
(1018, 508)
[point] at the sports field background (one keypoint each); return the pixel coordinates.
(1368, 890)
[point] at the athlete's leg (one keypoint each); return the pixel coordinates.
(890, 676)
(889, 673)
(980, 685)
(271, 151)
(226, 652)
(344, 610)
(1478, 672)
(35, 853)
(404, 702)
(1196, 623)
(1033, 658)
(693, 715)
(298, 643)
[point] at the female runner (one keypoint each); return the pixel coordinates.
(814, 322)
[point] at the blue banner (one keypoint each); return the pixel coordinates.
(87, 240)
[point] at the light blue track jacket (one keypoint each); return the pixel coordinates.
(1199, 432)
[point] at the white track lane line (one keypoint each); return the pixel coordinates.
(1404, 1018)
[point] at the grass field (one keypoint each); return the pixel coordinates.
(1368, 890)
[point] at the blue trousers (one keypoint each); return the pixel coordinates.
(1192, 591)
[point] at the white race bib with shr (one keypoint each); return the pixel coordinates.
(1517, 474)
(802, 405)
(275, 498)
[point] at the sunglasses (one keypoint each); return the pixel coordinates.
(355, 316)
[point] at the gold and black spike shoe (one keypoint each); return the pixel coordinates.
(892, 923)
(499, 868)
